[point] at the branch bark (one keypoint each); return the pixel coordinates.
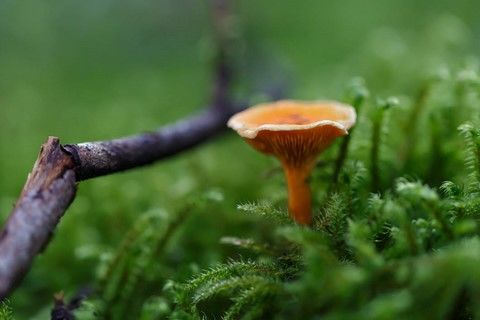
(94, 159)
(51, 186)
(49, 190)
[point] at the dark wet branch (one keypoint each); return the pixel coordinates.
(100, 158)
(51, 186)
(223, 31)
(49, 190)
(65, 310)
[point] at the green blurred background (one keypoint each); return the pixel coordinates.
(91, 70)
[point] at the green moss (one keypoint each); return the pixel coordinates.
(206, 234)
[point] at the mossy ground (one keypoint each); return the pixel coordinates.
(405, 246)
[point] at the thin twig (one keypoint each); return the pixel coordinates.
(51, 186)
(94, 159)
(49, 190)
(65, 311)
(222, 19)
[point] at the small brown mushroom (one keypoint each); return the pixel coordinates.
(295, 132)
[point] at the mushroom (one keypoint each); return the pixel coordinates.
(295, 132)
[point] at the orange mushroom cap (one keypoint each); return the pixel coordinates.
(295, 132)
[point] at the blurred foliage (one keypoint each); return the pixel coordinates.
(391, 238)
(5, 311)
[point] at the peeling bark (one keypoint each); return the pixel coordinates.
(49, 190)
(51, 186)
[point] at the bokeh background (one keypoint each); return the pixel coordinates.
(91, 70)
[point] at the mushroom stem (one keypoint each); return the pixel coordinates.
(299, 194)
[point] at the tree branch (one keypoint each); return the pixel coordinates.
(100, 158)
(49, 190)
(51, 186)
